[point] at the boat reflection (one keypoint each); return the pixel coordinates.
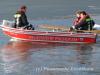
(16, 55)
(84, 54)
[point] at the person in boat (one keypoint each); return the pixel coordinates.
(21, 19)
(83, 21)
(77, 19)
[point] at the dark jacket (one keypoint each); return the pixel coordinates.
(20, 19)
(85, 24)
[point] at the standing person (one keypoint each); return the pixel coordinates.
(85, 22)
(21, 19)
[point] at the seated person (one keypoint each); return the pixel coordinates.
(83, 21)
(21, 19)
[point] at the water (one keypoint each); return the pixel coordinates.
(48, 8)
(32, 58)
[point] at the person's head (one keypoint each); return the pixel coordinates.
(83, 14)
(23, 8)
(77, 14)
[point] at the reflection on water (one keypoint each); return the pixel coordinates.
(22, 57)
(14, 55)
(84, 54)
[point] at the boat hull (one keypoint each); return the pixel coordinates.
(61, 37)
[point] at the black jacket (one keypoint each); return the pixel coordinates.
(20, 19)
(85, 24)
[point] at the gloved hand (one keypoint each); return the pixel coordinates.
(72, 28)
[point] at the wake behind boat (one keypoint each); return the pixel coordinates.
(47, 36)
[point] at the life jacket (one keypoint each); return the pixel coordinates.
(17, 19)
(76, 21)
(90, 23)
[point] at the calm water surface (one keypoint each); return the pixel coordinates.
(24, 58)
(33, 58)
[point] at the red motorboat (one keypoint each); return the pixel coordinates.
(46, 36)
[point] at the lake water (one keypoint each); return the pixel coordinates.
(32, 58)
